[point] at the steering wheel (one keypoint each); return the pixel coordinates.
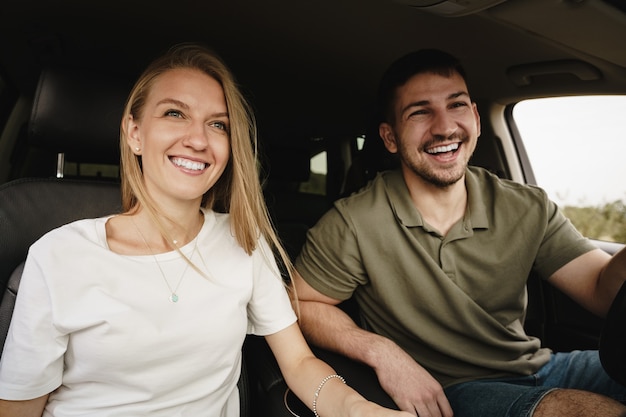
(613, 339)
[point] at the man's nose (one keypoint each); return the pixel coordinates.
(443, 124)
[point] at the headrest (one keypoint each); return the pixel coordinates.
(78, 113)
(288, 164)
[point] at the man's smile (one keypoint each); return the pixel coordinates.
(453, 147)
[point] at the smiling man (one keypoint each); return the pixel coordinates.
(437, 255)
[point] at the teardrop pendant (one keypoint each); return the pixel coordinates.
(173, 297)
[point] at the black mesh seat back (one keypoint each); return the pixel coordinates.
(31, 207)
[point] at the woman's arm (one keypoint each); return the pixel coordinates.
(27, 408)
(410, 386)
(304, 374)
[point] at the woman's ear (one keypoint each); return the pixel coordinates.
(132, 135)
(388, 136)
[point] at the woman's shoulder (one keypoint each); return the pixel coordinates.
(75, 232)
(214, 220)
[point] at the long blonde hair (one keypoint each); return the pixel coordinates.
(238, 191)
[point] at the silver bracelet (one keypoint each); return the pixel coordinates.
(319, 388)
(287, 404)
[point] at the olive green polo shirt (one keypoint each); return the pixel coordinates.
(456, 303)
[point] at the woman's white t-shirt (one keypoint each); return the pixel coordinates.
(98, 331)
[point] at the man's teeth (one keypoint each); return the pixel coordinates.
(443, 149)
(186, 163)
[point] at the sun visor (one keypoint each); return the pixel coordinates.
(451, 8)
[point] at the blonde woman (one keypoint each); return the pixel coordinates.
(145, 312)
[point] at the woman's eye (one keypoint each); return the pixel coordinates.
(174, 113)
(220, 125)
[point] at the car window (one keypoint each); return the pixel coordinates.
(317, 180)
(575, 146)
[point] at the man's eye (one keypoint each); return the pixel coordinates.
(420, 112)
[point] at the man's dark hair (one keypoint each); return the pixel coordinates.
(422, 61)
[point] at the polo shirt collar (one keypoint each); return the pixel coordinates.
(400, 199)
(477, 200)
(408, 215)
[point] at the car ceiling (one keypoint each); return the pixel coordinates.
(310, 68)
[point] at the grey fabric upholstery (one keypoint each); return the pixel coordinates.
(31, 207)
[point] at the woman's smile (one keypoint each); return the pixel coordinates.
(188, 164)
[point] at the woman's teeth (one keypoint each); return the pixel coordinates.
(187, 164)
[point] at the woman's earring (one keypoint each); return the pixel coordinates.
(137, 149)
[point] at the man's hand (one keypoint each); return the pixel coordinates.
(411, 387)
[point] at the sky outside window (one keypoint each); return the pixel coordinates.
(577, 147)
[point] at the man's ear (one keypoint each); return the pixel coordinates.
(132, 135)
(477, 118)
(388, 136)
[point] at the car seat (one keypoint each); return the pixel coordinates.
(75, 114)
(292, 211)
(63, 120)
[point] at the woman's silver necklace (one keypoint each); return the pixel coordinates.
(173, 291)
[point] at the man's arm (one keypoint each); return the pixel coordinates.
(304, 372)
(592, 279)
(411, 387)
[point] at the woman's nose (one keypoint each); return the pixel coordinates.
(196, 136)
